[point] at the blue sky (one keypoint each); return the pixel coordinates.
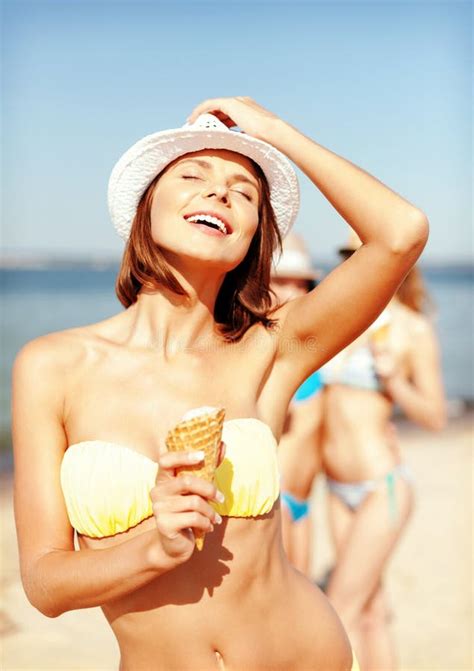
(385, 84)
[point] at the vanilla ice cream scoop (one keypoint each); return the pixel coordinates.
(197, 412)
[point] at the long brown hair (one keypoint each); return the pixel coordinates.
(244, 297)
(413, 293)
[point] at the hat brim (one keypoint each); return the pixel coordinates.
(140, 164)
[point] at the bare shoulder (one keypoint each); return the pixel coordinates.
(51, 350)
(416, 324)
(42, 372)
(55, 354)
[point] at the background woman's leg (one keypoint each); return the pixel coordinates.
(341, 519)
(362, 554)
(375, 632)
(301, 532)
(286, 531)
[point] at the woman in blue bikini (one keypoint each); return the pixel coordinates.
(299, 448)
(370, 492)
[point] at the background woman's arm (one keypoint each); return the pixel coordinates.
(421, 397)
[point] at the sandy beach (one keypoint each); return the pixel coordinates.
(429, 579)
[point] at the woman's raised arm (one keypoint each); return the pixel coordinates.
(393, 232)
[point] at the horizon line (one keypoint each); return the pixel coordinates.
(48, 260)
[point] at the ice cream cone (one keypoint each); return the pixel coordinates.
(200, 429)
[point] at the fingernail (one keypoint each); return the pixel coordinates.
(196, 456)
(217, 519)
(220, 497)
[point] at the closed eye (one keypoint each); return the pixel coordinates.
(245, 195)
(190, 177)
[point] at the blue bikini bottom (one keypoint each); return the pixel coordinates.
(298, 508)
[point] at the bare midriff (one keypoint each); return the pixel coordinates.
(357, 441)
(185, 619)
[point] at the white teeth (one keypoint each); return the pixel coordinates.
(211, 220)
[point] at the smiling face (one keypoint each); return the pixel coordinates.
(206, 206)
(174, 230)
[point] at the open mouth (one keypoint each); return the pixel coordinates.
(210, 221)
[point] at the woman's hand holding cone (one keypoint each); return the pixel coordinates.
(180, 504)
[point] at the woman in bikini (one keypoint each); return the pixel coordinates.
(370, 488)
(299, 455)
(201, 209)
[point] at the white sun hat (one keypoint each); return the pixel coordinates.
(294, 262)
(140, 164)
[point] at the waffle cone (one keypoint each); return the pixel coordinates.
(203, 432)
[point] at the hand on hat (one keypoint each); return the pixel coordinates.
(239, 111)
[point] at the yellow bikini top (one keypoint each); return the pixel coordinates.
(107, 486)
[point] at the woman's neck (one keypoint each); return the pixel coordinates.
(168, 323)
